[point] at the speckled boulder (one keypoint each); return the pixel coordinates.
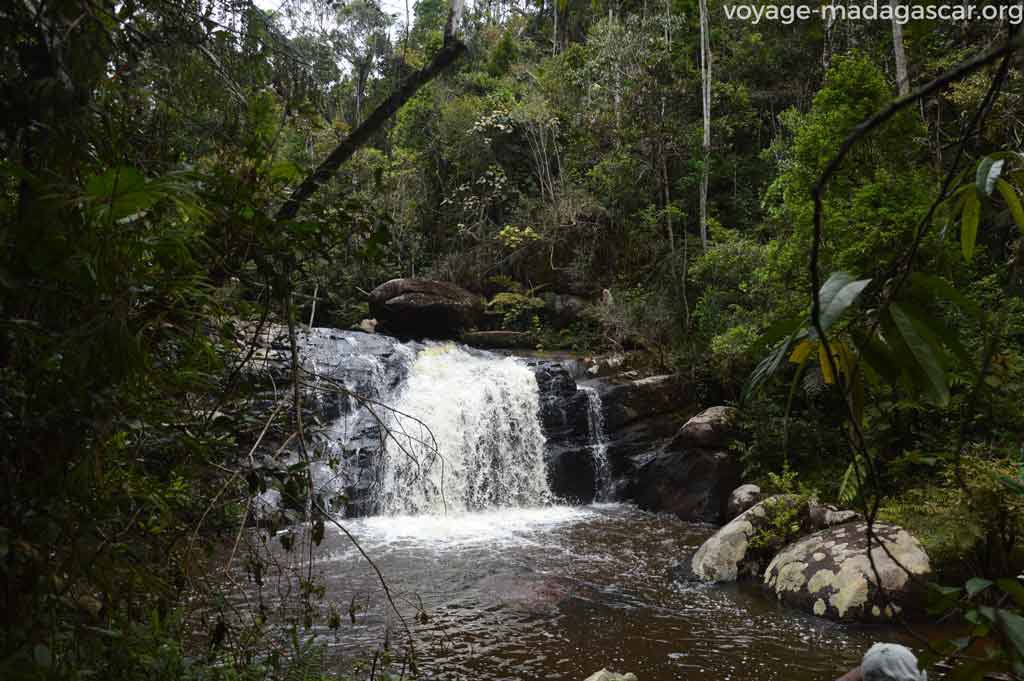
(713, 428)
(829, 574)
(741, 499)
(727, 555)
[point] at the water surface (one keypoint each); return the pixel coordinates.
(560, 592)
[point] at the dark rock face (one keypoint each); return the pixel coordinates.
(572, 474)
(692, 474)
(422, 308)
(693, 485)
(829, 572)
(639, 416)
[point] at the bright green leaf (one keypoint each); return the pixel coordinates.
(969, 219)
(1009, 195)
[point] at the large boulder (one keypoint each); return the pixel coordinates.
(741, 499)
(693, 485)
(422, 308)
(713, 428)
(830, 574)
(741, 548)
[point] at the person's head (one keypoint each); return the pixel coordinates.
(891, 662)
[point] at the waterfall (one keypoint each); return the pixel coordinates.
(464, 434)
(598, 443)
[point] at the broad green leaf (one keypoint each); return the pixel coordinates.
(769, 365)
(122, 192)
(838, 294)
(989, 170)
(937, 332)
(1013, 589)
(976, 585)
(942, 289)
(1009, 195)
(1013, 625)
(969, 219)
(879, 356)
(924, 353)
(779, 330)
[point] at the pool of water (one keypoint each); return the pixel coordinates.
(560, 592)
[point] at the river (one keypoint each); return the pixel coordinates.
(560, 592)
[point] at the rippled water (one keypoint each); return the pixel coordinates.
(560, 592)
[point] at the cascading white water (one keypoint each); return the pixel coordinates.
(464, 435)
(598, 442)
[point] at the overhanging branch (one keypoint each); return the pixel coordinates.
(452, 50)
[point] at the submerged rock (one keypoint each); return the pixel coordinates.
(728, 555)
(423, 308)
(741, 499)
(829, 572)
(605, 675)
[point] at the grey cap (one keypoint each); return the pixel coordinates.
(891, 662)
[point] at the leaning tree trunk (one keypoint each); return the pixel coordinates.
(900, 55)
(705, 73)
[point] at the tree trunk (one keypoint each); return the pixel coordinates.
(554, 32)
(902, 79)
(705, 72)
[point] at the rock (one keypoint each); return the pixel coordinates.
(605, 675)
(562, 310)
(499, 339)
(631, 400)
(572, 475)
(423, 308)
(826, 515)
(693, 485)
(713, 428)
(829, 573)
(728, 556)
(742, 498)
(368, 326)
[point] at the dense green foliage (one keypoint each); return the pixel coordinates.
(146, 146)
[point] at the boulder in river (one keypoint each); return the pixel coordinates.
(741, 499)
(694, 485)
(741, 548)
(713, 428)
(830, 574)
(423, 308)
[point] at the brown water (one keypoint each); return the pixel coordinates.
(560, 592)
